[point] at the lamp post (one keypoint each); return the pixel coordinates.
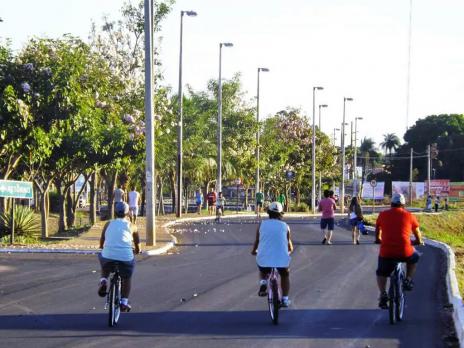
(257, 133)
(334, 136)
(180, 121)
(320, 129)
(149, 133)
(355, 176)
(342, 193)
(313, 189)
(219, 130)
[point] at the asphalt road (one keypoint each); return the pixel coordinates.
(204, 294)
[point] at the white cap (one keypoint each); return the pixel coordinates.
(276, 207)
(398, 198)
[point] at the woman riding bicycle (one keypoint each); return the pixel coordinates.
(116, 241)
(272, 248)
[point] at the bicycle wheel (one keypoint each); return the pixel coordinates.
(400, 299)
(274, 302)
(392, 302)
(113, 300)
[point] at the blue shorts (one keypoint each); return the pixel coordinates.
(354, 222)
(328, 223)
(386, 265)
(126, 268)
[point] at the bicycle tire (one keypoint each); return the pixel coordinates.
(400, 299)
(392, 302)
(275, 302)
(114, 299)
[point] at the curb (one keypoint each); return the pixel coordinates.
(454, 297)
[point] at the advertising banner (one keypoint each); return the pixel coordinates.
(456, 192)
(418, 189)
(439, 187)
(377, 191)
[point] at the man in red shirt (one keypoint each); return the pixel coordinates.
(393, 232)
(211, 199)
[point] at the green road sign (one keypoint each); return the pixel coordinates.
(16, 189)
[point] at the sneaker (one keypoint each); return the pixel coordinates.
(125, 307)
(285, 303)
(329, 242)
(383, 301)
(102, 288)
(408, 284)
(262, 290)
(324, 240)
(357, 242)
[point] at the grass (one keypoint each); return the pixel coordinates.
(446, 227)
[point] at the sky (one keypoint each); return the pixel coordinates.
(352, 48)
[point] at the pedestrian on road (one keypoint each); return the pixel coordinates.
(327, 207)
(259, 203)
(220, 203)
(356, 216)
(116, 241)
(272, 247)
(134, 203)
(211, 199)
(198, 200)
(437, 203)
(393, 232)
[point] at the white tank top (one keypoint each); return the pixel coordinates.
(273, 244)
(118, 241)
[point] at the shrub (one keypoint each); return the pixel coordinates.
(301, 208)
(25, 221)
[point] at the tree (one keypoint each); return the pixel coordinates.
(390, 142)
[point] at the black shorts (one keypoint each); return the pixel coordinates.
(126, 268)
(283, 271)
(328, 223)
(259, 204)
(386, 265)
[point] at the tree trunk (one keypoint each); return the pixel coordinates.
(110, 182)
(70, 216)
(172, 183)
(93, 199)
(44, 214)
(298, 196)
(62, 225)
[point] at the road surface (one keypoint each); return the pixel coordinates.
(204, 294)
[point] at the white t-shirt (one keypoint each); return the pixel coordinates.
(133, 199)
(273, 244)
(118, 241)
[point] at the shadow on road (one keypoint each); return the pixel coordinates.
(322, 324)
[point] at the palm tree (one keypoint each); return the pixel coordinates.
(390, 142)
(368, 152)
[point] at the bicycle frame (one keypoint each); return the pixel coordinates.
(396, 299)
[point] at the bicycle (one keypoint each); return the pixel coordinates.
(274, 295)
(396, 299)
(113, 297)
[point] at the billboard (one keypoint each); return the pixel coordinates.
(439, 187)
(456, 191)
(418, 188)
(377, 191)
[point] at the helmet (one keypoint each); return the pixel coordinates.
(398, 198)
(276, 207)
(121, 208)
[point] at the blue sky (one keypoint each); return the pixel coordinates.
(355, 48)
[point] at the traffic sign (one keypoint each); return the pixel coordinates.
(16, 189)
(373, 183)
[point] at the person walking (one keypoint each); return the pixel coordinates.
(134, 203)
(428, 203)
(220, 203)
(211, 199)
(259, 203)
(356, 216)
(446, 207)
(327, 207)
(199, 200)
(437, 203)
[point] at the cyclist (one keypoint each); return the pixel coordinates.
(116, 244)
(272, 248)
(393, 232)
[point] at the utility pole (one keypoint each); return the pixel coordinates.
(410, 177)
(428, 169)
(149, 132)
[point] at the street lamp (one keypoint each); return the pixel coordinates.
(219, 130)
(355, 177)
(313, 189)
(342, 193)
(320, 129)
(180, 122)
(257, 133)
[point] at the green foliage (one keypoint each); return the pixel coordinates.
(25, 222)
(301, 208)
